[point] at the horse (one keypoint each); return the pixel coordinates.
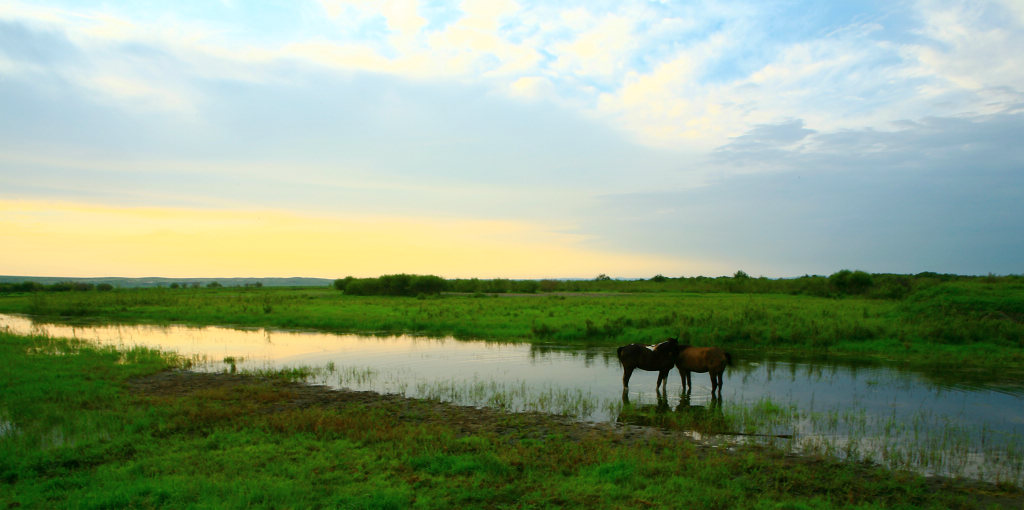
(660, 358)
(702, 359)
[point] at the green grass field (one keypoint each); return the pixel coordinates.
(88, 427)
(81, 427)
(975, 321)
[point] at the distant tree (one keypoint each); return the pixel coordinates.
(392, 285)
(213, 285)
(22, 287)
(342, 283)
(602, 278)
(464, 285)
(497, 286)
(741, 275)
(396, 284)
(427, 284)
(527, 286)
(658, 278)
(549, 285)
(850, 282)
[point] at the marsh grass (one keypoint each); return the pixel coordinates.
(942, 324)
(81, 437)
(925, 442)
(360, 376)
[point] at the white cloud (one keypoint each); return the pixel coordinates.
(144, 95)
(671, 106)
(532, 88)
(667, 76)
(971, 48)
(402, 18)
(600, 50)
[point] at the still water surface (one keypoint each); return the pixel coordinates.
(964, 424)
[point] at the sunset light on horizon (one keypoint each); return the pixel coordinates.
(504, 139)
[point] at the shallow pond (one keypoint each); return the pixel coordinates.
(946, 423)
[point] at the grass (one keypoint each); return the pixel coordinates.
(91, 427)
(73, 433)
(946, 324)
(924, 442)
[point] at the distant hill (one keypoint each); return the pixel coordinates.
(166, 282)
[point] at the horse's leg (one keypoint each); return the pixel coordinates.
(688, 385)
(662, 380)
(626, 373)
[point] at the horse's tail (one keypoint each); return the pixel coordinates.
(728, 359)
(618, 353)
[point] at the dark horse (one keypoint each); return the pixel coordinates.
(702, 359)
(660, 358)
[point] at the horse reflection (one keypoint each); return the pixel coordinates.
(659, 358)
(707, 418)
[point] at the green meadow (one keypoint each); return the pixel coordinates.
(951, 321)
(89, 427)
(84, 426)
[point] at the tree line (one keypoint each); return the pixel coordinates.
(845, 282)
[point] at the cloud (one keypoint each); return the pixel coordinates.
(600, 51)
(942, 195)
(691, 130)
(969, 51)
(532, 87)
(671, 76)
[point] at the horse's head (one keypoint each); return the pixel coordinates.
(670, 348)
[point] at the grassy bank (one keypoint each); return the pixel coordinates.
(947, 323)
(98, 428)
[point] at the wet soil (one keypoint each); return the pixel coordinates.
(466, 419)
(471, 420)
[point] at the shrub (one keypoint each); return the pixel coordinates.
(427, 284)
(392, 285)
(850, 282)
(342, 284)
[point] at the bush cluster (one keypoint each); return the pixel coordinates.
(841, 283)
(11, 288)
(392, 285)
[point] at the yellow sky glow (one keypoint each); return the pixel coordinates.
(79, 239)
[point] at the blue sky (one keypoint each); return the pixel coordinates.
(510, 139)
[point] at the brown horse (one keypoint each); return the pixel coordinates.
(660, 358)
(702, 359)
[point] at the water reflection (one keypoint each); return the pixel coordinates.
(869, 403)
(684, 415)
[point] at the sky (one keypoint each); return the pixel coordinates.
(505, 139)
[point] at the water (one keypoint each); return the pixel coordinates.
(949, 423)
